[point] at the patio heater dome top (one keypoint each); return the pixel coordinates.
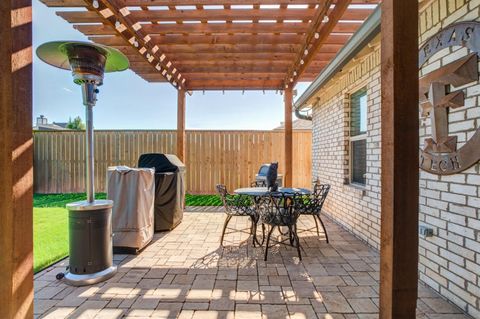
(82, 57)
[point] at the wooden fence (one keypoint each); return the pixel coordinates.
(229, 157)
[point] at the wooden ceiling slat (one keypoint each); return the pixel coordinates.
(228, 84)
(247, 57)
(212, 15)
(276, 50)
(98, 29)
(174, 40)
(140, 3)
(227, 2)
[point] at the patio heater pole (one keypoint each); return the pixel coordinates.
(89, 89)
(90, 221)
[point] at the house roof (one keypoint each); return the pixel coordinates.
(49, 127)
(221, 44)
(297, 124)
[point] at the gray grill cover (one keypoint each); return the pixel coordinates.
(169, 188)
(133, 192)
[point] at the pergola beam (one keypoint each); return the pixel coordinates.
(107, 9)
(314, 43)
(16, 160)
(181, 135)
(399, 156)
(288, 145)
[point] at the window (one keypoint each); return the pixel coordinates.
(358, 136)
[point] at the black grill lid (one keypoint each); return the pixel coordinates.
(163, 163)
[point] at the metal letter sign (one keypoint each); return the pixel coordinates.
(440, 154)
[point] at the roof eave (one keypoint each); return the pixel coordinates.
(369, 29)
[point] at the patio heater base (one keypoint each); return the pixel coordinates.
(91, 250)
(90, 279)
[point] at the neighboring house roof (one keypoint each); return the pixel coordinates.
(61, 124)
(297, 124)
(49, 127)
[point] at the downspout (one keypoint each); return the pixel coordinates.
(302, 116)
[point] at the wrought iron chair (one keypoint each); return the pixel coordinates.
(312, 205)
(278, 210)
(237, 205)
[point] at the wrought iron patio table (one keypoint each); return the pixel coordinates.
(258, 192)
(261, 191)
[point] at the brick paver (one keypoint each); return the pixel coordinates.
(185, 273)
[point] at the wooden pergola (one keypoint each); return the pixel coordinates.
(220, 45)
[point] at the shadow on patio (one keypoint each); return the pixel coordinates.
(186, 274)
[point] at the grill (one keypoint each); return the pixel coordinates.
(169, 189)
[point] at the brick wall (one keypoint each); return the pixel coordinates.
(450, 260)
(357, 209)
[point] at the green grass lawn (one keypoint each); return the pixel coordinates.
(50, 236)
(50, 223)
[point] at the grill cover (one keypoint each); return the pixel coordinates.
(169, 188)
(133, 193)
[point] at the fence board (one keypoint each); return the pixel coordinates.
(228, 157)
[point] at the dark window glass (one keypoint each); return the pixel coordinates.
(359, 161)
(358, 107)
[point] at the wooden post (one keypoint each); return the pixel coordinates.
(287, 179)
(400, 139)
(16, 164)
(181, 125)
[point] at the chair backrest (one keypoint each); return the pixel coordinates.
(278, 208)
(234, 204)
(317, 199)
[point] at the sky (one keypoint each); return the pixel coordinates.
(126, 101)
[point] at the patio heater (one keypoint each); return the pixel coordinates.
(90, 221)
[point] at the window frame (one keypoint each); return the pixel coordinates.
(359, 137)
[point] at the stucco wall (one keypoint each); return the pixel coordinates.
(450, 260)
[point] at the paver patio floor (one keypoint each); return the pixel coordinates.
(186, 274)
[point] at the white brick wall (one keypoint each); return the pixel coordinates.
(357, 209)
(449, 262)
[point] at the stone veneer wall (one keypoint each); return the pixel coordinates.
(450, 260)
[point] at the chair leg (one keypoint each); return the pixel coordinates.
(298, 243)
(253, 230)
(268, 242)
(225, 228)
(290, 235)
(297, 240)
(263, 235)
(316, 225)
(323, 226)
